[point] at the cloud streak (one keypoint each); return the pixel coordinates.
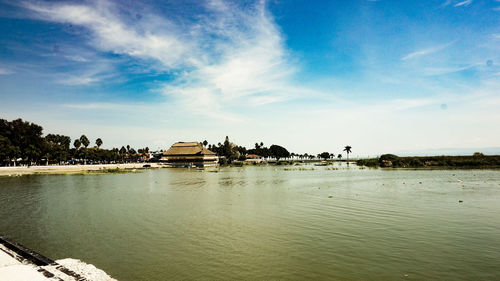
(463, 3)
(457, 3)
(427, 51)
(5, 71)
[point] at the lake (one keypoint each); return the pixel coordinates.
(264, 222)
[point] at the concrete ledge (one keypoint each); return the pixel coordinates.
(20, 263)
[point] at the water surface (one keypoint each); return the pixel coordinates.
(264, 222)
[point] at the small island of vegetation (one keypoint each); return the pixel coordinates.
(477, 160)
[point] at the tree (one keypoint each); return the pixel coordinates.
(325, 155)
(347, 149)
(123, 150)
(56, 147)
(84, 140)
(77, 143)
(15, 152)
(5, 149)
(205, 142)
(26, 136)
(230, 151)
(98, 142)
(339, 156)
(32, 153)
(278, 152)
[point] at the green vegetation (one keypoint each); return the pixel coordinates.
(324, 155)
(229, 152)
(478, 160)
(347, 149)
(22, 142)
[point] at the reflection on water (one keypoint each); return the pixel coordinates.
(263, 223)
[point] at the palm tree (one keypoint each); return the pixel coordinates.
(84, 140)
(339, 156)
(98, 142)
(347, 149)
(77, 143)
(122, 152)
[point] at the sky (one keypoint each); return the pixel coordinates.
(404, 77)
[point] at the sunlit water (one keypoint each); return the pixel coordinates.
(264, 223)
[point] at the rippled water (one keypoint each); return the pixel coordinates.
(264, 223)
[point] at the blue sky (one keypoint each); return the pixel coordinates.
(381, 76)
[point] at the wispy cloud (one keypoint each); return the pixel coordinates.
(456, 3)
(431, 71)
(463, 3)
(76, 80)
(91, 74)
(112, 34)
(77, 58)
(232, 56)
(427, 51)
(5, 71)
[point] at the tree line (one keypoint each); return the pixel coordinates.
(229, 152)
(22, 142)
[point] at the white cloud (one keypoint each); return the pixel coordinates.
(230, 57)
(427, 51)
(463, 3)
(77, 58)
(75, 80)
(457, 3)
(430, 71)
(114, 35)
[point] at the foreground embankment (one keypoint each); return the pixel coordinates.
(18, 263)
(69, 169)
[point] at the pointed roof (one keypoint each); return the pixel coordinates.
(187, 148)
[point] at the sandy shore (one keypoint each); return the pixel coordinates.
(68, 169)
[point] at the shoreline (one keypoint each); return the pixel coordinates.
(70, 169)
